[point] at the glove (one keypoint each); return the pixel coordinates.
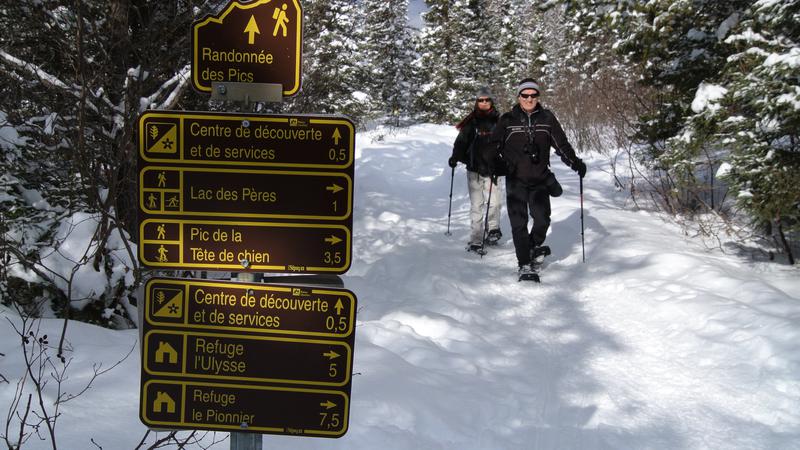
(452, 162)
(580, 167)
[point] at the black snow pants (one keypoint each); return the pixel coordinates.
(522, 199)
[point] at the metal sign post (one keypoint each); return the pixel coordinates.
(246, 441)
(239, 440)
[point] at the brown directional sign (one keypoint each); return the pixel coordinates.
(264, 309)
(269, 194)
(261, 409)
(247, 140)
(274, 192)
(257, 42)
(276, 358)
(256, 246)
(227, 357)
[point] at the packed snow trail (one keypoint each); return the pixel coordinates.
(654, 343)
(647, 345)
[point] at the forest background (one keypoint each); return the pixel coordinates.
(702, 97)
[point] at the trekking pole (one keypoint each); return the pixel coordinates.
(583, 244)
(486, 220)
(450, 208)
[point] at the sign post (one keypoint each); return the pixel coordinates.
(247, 193)
(239, 440)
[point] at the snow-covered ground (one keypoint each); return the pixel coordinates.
(655, 342)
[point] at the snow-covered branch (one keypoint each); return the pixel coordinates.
(45, 78)
(175, 86)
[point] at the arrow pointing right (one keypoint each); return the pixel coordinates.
(328, 405)
(334, 188)
(330, 354)
(333, 240)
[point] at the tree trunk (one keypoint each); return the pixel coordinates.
(784, 242)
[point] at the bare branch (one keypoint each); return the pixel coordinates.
(24, 420)
(2, 378)
(96, 372)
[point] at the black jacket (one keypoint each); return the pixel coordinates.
(524, 140)
(473, 146)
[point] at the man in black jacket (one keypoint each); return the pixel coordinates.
(524, 137)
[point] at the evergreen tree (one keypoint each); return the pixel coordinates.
(330, 65)
(721, 99)
(518, 50)
(465, 22)
(675, 45)
(459, 54)
(437, 62)
(76, 76)
(484, 44)
(389, 57)
(754, 121)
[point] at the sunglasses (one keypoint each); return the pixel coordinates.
(526, 96)
(484, 100)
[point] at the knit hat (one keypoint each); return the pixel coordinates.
(528, 83)
(484, 92)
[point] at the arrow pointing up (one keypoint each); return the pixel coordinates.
(334, 188)
(336, 136)
(252, 28)
(339, 306)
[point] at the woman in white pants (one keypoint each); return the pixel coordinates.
(472, 148)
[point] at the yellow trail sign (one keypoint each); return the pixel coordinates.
(230, 46)
(278, 358)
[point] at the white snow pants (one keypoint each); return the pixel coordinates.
(478, 194)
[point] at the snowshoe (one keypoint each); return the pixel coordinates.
(540, 252)
(528, 272)
(537, 258)
(493, 237)
(476, 248)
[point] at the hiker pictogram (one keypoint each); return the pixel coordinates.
(162, 254)
(281, 20)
